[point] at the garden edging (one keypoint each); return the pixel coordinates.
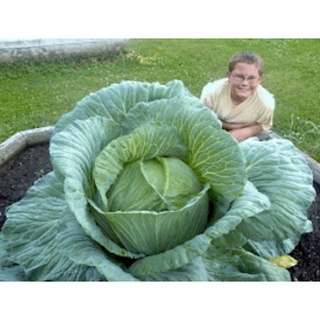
(22, 140)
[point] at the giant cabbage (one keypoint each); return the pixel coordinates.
(147, 186)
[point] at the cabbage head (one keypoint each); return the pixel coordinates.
(147, 186)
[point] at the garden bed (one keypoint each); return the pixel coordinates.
(33, 161)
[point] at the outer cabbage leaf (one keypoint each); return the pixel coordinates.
(239, 265)
(114, 101)
(30, 232)
(282, 174)
(48, 243)
(193, 271)
(8, 272)
(83, 251)
(218, 264)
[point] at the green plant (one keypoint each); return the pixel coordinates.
(40, 173)
(304, 134)
(147, 186)
(301, 128)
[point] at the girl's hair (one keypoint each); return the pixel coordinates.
(247, 57)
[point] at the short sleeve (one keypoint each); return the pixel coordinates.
(211, 88)
(267, 97)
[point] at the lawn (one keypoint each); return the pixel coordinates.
(36, 94)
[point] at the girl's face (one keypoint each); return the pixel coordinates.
(244, 81)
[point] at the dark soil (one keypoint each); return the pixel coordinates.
(18, 175)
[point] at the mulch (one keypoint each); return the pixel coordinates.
(19, 174)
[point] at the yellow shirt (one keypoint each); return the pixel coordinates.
(258, 108)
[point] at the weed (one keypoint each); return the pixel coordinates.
(40, 173)
(304, 134)
(140, 59)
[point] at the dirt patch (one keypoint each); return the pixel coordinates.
(18, 175)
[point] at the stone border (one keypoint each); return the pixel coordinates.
(23, 139)
(39, 49)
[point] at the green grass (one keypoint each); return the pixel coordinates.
(35, 94)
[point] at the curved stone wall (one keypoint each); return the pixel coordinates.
(27, 49)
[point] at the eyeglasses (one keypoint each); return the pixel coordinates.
(240, 78)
